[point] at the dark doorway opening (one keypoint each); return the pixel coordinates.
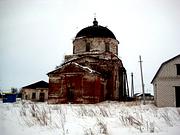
(70, 94)
(177, 91)
(26, 97)
(33, 95)
(42, 97)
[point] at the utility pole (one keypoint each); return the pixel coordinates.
(142, 82)
(132, 85)
(127, 90)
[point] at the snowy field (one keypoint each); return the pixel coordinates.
(107, 118)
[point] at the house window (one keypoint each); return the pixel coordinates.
(178, 69)
(106, 47)
(33, 95)
(87, 47)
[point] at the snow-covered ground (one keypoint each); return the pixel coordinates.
(107, 118)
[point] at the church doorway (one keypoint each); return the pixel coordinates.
(70, 94)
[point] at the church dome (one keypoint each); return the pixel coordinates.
(95, 31)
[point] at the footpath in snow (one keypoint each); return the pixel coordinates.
(107, 118)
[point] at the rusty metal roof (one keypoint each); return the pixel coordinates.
(95, 31)
(76, 64)
(39, 84)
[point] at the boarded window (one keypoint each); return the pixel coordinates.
(178, 69)
(87, 47)
(33, 95)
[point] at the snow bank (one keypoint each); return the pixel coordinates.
(108, 118)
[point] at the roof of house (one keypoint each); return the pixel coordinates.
(39, 84)
(164, 63)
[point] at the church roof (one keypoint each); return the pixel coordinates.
(87, 69)
(95, 31)
(40, 84)
(95, 56)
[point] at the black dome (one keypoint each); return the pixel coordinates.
(95, 31)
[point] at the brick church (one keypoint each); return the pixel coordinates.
(93, 73)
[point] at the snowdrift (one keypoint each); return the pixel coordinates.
(107, 118)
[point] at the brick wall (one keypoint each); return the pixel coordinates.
(96, 45)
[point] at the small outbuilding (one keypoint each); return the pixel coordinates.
(35, 92)
(166, 83)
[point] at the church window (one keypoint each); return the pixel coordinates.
(73, 49)
(116, 50)
(178, 69)
(87, 47)
(107, 47)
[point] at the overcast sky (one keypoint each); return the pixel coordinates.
(36, 34)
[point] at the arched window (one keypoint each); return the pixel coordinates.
(107, 47)
(73, 49)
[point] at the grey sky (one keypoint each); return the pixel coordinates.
(36, 34)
